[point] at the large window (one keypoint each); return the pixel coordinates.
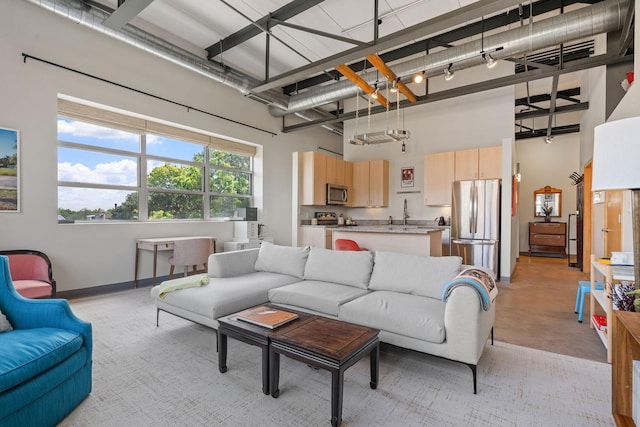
(116, 167)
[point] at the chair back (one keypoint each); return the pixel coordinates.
(191, 251)
(31, 273)
(346, 245)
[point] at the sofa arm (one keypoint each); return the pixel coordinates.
(467, 325)
(236, 263)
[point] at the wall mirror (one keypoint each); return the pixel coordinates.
(547, 198)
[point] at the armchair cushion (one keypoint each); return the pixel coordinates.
(26, 353)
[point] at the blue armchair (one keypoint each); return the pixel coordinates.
(45, 361)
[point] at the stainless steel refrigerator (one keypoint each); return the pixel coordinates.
(475, 223)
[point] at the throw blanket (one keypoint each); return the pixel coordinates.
(182, 283)
(480, 280)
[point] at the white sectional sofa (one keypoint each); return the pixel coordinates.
(400, 294)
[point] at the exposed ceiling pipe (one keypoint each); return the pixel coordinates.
(585, 22)
(94, 18)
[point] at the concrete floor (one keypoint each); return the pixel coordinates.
(536, 310)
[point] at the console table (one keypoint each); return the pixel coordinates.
(156, 244)
(548, 238)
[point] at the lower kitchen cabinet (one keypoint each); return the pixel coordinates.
(316, 236)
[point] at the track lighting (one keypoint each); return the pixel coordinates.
(418, 78)
(548, 139)
(448, 74)
(489, 60)
(394, 85)
(374, 95)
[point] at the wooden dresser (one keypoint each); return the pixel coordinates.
(547, 238)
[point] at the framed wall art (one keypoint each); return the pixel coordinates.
(9, 170)
(407, 177)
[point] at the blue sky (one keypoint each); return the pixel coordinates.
(90, 167)
(8, 142)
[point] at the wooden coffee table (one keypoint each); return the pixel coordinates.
(230, 326)
(328, 344)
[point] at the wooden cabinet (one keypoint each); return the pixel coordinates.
(319, 237)
(438, 178)
(370, 183)
(478, 163)
(626, 340)
(348, 181)
(335, 170)
(548, 238)
(312, 168)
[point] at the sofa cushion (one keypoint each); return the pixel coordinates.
(413, 274)
(25, 353)
(413, 316)
(223, 296)
(322, 297)
(352, 268)
(282, 259)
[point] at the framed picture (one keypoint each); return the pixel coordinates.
(9, 170)
(407, 177)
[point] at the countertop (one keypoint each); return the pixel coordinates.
(399, 229)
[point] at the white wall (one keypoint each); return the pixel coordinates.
(90, 255)
(546, 164)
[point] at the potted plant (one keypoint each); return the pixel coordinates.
(547, 210)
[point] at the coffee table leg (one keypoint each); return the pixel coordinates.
(374, 357)
(337, 383)
(222, 352)
(265, 369)
(274, 373)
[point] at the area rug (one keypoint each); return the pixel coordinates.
(145, 375)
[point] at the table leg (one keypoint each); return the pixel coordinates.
(265, 370)
(274, 373)
(337, 383)
(155, 262)
(374, 357)
(135, 275)
(222, 352)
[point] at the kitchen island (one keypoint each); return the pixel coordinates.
(408, 239)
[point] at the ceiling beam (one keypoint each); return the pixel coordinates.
(319, 33)
(595, 61)
(546, 111)
(391, 76)
(282, 14)
(359, 81)
(443, 39)
(433, 26)
(565, 94)
(541, 133)
(126, 11)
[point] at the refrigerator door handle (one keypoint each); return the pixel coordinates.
(474, 242)
(475, 209)
(471, 210)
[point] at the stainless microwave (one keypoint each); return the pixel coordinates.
(336, 194)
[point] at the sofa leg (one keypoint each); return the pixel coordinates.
(492, 336)
(475, 375)
(157, 317)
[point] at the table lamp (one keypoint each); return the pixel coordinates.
(616, 166)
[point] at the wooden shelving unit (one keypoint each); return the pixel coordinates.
(603, 299)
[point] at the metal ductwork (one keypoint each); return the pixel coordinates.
(93, 18)
(585, 22)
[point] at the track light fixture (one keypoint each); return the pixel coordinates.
(489, 60)
(374, 95)
(418, 78)
(448, 74)
(548, 139)
(394, 85)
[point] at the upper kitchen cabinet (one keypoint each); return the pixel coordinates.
(312, 167)
(438, 178)
(335, 170)
(370, 183)
(478, 163)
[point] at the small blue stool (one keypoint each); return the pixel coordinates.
(584, 287)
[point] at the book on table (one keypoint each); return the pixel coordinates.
(267, 317)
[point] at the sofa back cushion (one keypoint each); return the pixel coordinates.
(351, 268)
(413, 274)
(282, 259)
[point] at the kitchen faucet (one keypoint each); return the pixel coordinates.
(405, 214)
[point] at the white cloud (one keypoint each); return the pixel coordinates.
(122, 172)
